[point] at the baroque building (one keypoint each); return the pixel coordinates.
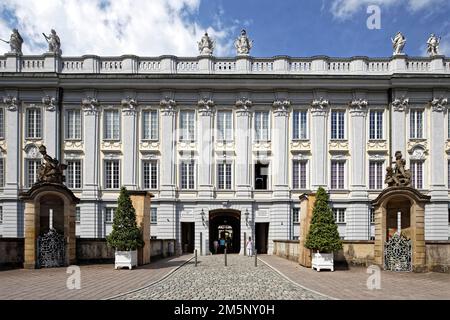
(226, 145)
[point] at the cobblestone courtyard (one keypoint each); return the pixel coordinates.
(211, 280)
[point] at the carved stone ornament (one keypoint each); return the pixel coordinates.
(243, 106)
(418, 154)
(319, 106)
(398, 176)
(12, 103)
(281, 107)
(51, 170)
(167, 106)
(358, 107)
(400, 104)
(438, 105)
(90, 105)
(129, 106)
(205, 106)
(49, 103)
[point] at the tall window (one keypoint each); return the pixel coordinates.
(73, 174)
(112, 174)
(33, 123)
(416, 124)
(1, 214)
(2, 172)
(109, 214)
(150, 124)
(224, 126)
(150, 174)
(2, 123)
(224, 176)
(339, 215)
(299, 175)
(153, 215)
(73, 124)
(262, 126)
(187, 125)
(77, 214)
(337, 174)
(187, 175)
(376, 175)
(372, 215)
(376, 125)
(32, 171)
(296, 215)
(417, 174)
(337, 125)
(111, 125)
(300, 125)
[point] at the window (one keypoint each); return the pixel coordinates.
(339, 215)
(111, 125)
(153, 215)
(337, 125)
(33, 125)
(337, 174)
(109, 214)
(300, 125)
(1, 214)
(296, 215)
(73, 124)
(417, 174)
(187, 175)
(150, 125)
(376, 175)
(32, 172)
(416, 124)
(295, 237)
(73, 174)
(187, 125)
(372, 215)
(150, 174)
(299, 175)
(376, 125)
(224, 126)
(2, 172)
(2, 123)
(77, 214)
(224, 176)
(261, 126)
(261, 174)
(112, 174)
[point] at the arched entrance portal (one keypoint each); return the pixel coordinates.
(226, 225)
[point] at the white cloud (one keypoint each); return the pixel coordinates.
(113, 27)
(345, 9)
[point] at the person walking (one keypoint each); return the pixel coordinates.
(249, 247)
(216, 246)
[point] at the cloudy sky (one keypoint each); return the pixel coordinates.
(290, 27)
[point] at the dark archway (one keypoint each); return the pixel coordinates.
(223, 224)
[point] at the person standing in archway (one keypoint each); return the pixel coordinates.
(249, 247)
(216, 246)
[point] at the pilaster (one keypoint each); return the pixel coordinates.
(205, 145)
(319, 143)
(168, 149)
(243, 148)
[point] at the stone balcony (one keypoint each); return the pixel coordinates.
(130, 64)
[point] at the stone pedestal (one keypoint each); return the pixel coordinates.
(141, 202)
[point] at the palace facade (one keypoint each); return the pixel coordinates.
(226, 145)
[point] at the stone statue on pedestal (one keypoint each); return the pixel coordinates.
(433, 45)
(206, 45)
(398, 176)
(51, 170)
(15, 42)
(243, 44)
(398, 43)
(54, 43)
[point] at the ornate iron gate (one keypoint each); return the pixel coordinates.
(397, 254)
(51, 249)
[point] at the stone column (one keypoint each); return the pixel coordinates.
(90, 210)
(357, 227)
(243, 148)
(280, 163)
(398, 124)
(129, 143)
(319, 143)
(205, 148)
(51, 125)
(437, 210)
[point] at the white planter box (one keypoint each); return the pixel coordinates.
(322, 261)
(125, 259)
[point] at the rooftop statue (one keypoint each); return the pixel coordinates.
(54, 43)
(433, 45)
(51, 170)
(398, 176)
(15, 42)
(398, 43)
(206, 45)
(243, 44)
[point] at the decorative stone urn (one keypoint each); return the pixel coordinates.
(125, 259)
(322, 261)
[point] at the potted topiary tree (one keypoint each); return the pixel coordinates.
(323, 236)
(125, 236)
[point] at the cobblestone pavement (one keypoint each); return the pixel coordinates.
(211, 280)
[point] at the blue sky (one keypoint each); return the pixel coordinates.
(295, 28)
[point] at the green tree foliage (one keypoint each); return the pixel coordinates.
(125, 234)
(323, 233)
